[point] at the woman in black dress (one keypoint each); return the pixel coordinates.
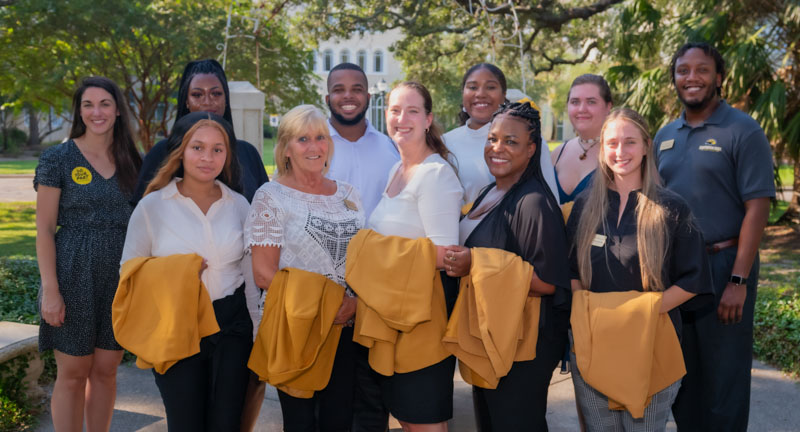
(83, 186)
(518, 213)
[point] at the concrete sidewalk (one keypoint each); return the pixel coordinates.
(774, 404)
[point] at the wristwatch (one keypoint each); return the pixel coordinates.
(738, 280)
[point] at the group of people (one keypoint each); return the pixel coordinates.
(637, 257)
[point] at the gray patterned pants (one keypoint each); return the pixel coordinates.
(597, 417)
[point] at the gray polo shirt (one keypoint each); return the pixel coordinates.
(716, 167)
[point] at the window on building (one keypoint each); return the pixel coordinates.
(362, 59)
(327, 60)
(378, 62)
(344, 56)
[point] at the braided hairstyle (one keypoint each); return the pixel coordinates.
(526, 112)
(197, 67)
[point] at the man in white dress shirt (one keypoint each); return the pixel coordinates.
(362, 157)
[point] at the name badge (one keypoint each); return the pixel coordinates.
(599, 240)
(666, 145)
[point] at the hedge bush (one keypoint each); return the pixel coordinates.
(776, 337)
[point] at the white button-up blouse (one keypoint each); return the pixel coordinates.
(168, 223)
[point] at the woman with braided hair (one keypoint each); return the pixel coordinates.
(519, 214)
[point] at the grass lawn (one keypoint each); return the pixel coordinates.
(18, 166)
(18, 229)
(786, 174)
(268, 157)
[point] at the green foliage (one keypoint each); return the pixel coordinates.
(17, 412)
(443, 38)
(143, 46)
(777, 327)
(19, 285)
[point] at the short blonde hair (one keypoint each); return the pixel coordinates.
(300, 120)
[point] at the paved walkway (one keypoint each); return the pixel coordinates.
(774, 405)
(16, 188)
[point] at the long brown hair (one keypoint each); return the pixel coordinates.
(651, 236)
(127, 160)
(433, 136)
(175, 159)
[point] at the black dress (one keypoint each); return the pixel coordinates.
(530, 225)
(93, 217)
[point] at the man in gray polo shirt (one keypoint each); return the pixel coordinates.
(363, 157)
(720, 161)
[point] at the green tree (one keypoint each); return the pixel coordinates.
(49, 45)
(759, 40)
(442, 38)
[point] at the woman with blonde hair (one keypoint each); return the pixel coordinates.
(628, 233)
(193, 205)
(305, 221)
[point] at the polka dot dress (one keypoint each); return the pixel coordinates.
(93, 217)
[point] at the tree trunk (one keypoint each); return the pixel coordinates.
(33, 126)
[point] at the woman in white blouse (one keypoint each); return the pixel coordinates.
(422, 199)
(192, 206)
(304, 220)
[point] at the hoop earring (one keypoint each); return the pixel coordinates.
(286, 165)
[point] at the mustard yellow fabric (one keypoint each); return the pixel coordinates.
(161, 310)
(566, 209)
(401, 314)
(494, 322)
(624, 347)
(296, 342)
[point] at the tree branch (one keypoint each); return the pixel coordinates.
(560, 61)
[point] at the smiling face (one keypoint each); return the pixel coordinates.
(204, 155)
(308, 152)
(206, 94)
(587, 110)
(406, 119)
(98, 111)
(696, 79)
(624, 149)
(348, 98)
(508, 148)
(481, 96)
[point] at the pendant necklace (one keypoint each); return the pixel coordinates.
(583, 143)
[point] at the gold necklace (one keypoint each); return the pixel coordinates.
(590, 142)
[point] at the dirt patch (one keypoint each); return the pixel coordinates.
(781, 239)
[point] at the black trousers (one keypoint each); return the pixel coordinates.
(369, 412)
(205, 392)
(715, 393)
(519, 403)
(330, 409)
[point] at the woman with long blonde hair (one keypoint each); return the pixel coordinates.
(628, 233)
(193, 206)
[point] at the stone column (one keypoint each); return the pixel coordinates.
(247, 108)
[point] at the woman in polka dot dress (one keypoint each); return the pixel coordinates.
(83, 186)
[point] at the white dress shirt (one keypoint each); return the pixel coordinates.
(365, 164)
(167, 223)
(467, 146)
(429, 206)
